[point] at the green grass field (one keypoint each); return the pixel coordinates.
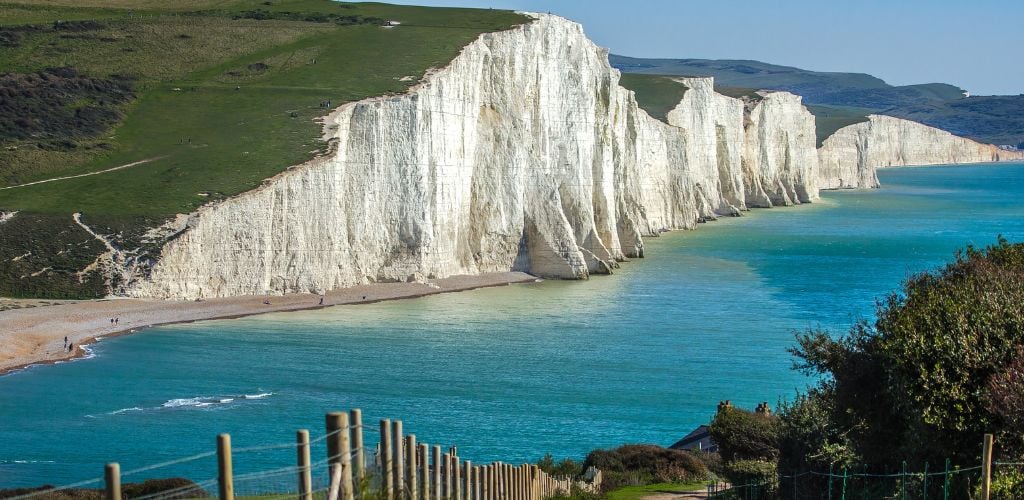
(655, 94)
(638, 492)
(226, 95)
(829, 119)
(215, 125)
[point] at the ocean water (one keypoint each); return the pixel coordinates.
(511, 373)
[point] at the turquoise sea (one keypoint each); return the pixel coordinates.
(510, 373)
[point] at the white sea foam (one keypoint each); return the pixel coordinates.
(124, 410)
(174, 403)
(206, 401)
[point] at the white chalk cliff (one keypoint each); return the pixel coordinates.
(523, 153)
(849, 158)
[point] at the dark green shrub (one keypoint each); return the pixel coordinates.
(743, 435)
(919, 384)
(753, 472)
(640, 464)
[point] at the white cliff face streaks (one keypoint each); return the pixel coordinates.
(523, 153)
(849, 157)
(779, 160)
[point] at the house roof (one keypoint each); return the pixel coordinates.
(696, 435)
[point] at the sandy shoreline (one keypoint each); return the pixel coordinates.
(35, 335)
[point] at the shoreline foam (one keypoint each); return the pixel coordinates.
(33, 336)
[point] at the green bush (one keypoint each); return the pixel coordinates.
(918, 383)
(760, 472)
(642, 464)
(1008, 484)
(743, 435)
(566, 468)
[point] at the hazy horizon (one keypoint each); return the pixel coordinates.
(911, 42)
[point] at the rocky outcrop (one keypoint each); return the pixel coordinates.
(780, 164)
(849, 158)
(523, 154)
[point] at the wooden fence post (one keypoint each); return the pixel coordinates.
(478, 482)
(986, 467)
(424, 463)
(303, 461)
(485, 482)
(468, 490)
(386, 463)
(347, 491)
(333, 424)
(410, 459)
(534, 482)
(334, 484)
(446, 461)
(456, 477)
(356, 417)
(112, 476)
(523, 481)
(398, 441)
(436, 472)
(225, 477)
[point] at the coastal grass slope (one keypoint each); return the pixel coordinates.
(655, 94)
(204, 98)
(987, 119)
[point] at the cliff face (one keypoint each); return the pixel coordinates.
(849, 157)
(523, 153)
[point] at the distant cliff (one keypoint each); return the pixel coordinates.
(849, 157)
(524, 153)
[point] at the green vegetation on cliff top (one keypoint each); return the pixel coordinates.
(655, 94)
(990, 119)
(225, 92)
(213, 96)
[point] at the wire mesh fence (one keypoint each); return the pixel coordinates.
(949, 482)
(397, 469)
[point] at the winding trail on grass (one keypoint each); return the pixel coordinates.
(119, 167)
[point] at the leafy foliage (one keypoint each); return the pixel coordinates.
(1006, 399)
(566, 468)
(760, 472)
(639, 464)
(923, 382)
(743, 435)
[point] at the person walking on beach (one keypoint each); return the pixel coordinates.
(111, 321)
(65, 341)
(117, 320)
(71, 347)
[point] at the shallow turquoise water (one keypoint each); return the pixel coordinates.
(510, 373)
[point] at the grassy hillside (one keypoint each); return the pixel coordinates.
(655, 94)
(213, 95)
(828, 119)
(991, 119)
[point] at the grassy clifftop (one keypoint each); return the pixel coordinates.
(213, 96)
(842, 97)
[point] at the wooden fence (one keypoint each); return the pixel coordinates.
(401, 469)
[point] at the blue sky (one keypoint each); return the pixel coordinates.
(976, 44)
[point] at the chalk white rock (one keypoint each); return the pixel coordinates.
(850, 157)
(779, 160)
(524, 153)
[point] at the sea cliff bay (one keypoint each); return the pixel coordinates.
(514, 372)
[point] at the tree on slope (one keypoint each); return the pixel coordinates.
(926, 380)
